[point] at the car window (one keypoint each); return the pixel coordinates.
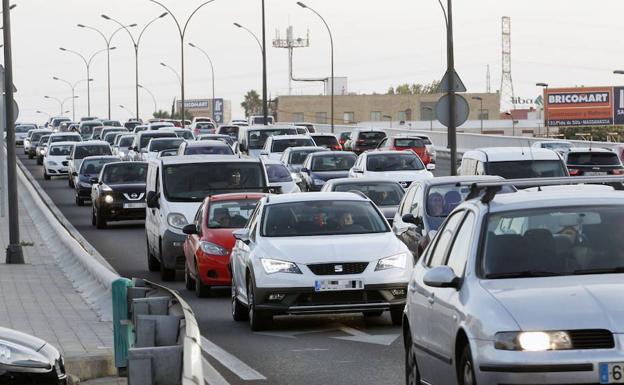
(165, 144)
(593, 159)
(382, 194)
(409, 143)
(408, 200)
(444, 239)
(297, 157)
(94, 166)
(278, 173)
(84, 151)
(331, 162)
(125, 173)
(526, 169)
(257, 138)
(394, 162)
(328, 141)
(230, 214)
(461, 246)
(279, 145)
(208, 150)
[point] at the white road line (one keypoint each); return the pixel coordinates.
(211, 376)
(226, 359)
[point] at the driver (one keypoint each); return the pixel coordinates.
(223, 218)
(435, 204)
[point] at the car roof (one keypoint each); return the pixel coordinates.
(361, 180)
(592, 149)
(442, 180)
(288, 137)
(270, 127)
(63, 144)
(188, 159)
(328, 152)
(206, 143)
(315, 196)
(100, 157)
(166, 138)
(65, 134)
(501, 154)
(122, 162)
(554, 198)
(321, 134)
(307, 148)
(92, 143)
(389, 152)
(235, 196)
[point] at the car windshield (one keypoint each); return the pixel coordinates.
(278, 173)
(185, 134)
(333, 162)
(308, 218)
(299, 156)
(60, 150)
(257, 138)
(192, 182)
(230, 131)
(125, 141)
(526, 169)
(37, 135)
(204, 126)
(382, 194)
(87, 128)
(94, 166)
(279, 145)
(145, 139)
(44, 139)
(84, 151)
(65, 138)
(554, 241)
(209, 150)
(230, 214)
(23, 129)
(125, 173)
(225, 139)
(326, 141)
(110, 137)
(557, 145)
(112, 123)
(409, 143)
(593, 159)
(158, 145)
(394, 162)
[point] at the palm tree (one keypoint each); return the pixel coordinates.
(252, 103)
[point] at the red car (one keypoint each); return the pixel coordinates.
(402, 143)
(209, 240)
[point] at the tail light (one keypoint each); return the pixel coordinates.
(338, 147)
(618, 171)
(574, 171)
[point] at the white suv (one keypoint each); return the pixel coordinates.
(276, 145)
(513, 162)
(404, 167)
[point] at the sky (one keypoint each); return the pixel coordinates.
(377, 44)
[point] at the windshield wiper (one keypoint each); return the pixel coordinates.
(606, 270)
(523, 274)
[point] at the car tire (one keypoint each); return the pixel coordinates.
(376, 313)
(100, 221)
(189, 282)
(152, 263)
(201, 290)
(465, 371)
(39, 161)
(30, 156)
(239, 311)
(258, 320)
(396, 314)
(70, 182)
(46, 176)
(93, 216)
(79, 201)
(166, 275)
(412, 374)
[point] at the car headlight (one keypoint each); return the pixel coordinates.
(533, 341)
(212, 249)
(51, 163)
(272, 266)
(109, 199)
(177, 220)
(397, 261)
(19, 356)
(319, 182)
(42, 152)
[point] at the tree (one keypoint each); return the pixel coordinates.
(390, 91)
(167, 115)
(252, 103)
(414, 89)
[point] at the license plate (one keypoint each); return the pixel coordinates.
(134, 205)
(612, 373)
(338, 284)
(593, 173)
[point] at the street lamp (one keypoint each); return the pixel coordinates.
(513, 123)
(107, 41)
(265, 102)
(59, 101)
(88, 67)
(73, 89)
(480, 99)
(136, 43)
(44, 113)
(431, 116)
(331, 40)
(172, 70)
(127, 109)
(182, 32)
(152, 95)
(545, 105)
(213, 77)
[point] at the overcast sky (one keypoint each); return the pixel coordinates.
(377, 44)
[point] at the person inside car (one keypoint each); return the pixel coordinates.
(435, 204)
(348, 225)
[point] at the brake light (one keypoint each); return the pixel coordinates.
(618, 171)
(574, 171)
(338, 147)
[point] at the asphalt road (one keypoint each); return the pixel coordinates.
(306, 350)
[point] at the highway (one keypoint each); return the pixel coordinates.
(310, 350)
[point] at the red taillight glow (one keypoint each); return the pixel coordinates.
(338, 147)
(618, 171)
(574, 171)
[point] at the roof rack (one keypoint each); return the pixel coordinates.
(493, 187)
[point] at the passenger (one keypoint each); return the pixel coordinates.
(435, 204)
(222, 218)
(348, 225)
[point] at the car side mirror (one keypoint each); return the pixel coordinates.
(264, 153)
(94, 180)
(442, 277)
(152, 200)
(190, 229)
(431, 166)
(74, 173)
(305, 170)
(409, 218)
(241, 235)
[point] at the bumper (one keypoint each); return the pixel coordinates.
(214, 270)
(172, 253)
(83, 192)
(306, 300)
(554, 367)
(56, 170)
(116, 212)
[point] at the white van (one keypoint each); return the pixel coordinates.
(513, 163)
(176, 186)
(251, 140)
(259, 119)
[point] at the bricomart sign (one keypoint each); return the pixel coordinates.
(587, 106)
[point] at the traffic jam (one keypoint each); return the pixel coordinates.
(509, 273)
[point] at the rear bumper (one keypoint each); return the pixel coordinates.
(172, 252)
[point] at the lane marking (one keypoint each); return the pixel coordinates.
(228, 360)
(210, 373)
(309, 350)
(360, 336)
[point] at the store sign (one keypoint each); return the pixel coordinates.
(197, 103)
(587, 106)
(218, 111)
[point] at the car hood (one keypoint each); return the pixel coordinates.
(221, 237)
(138, 188)
(333, 248)
(401, 176)
(327, 175)
(562, 303)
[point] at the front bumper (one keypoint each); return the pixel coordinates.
(116, 212)
(83, 192)
(172, 252)
(214, 270)
(56, 170)
(495, 366)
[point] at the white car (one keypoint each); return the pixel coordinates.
(403, 167)
(279, 176)
(276, 145)
(561, 146)
(157, 145)
(55, 161)
(513, 162)
(82, 150)
(317, 253)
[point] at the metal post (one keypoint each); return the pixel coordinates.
(265, 102)
(213, 75)
(14, 252)
(183, 108)
(73, 104)
(481, 115)
(452, 129)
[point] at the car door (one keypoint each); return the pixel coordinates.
(192, 241)
(151, 215)
(409, 233)
(241, 254)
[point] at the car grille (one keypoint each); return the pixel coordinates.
(338, 268)
(340, 298)
(591, 339)
(65, 163)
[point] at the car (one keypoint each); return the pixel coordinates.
(251, 139)
(176, 186)
(139, 128)
(308, 126)
(55, 122)
(319, 167)
(65, 126)
(97, 133)
(426, 205)
(520, 288)
(362, 140)
(209, 240)
(403, 167)
(87, 175)
(86, 128)
(429, 145)
(561, 146)
(131, 124)
(205, 147)
(279, 176)
(317, 253)
(111, 129)
(199, 128)
(73, 127)
(404, 142)
(275, 145)
(21, 132)
(111, 123)
(142, 139)
(27, 141)
(158, 125)
(202, 119)
(184, 133)
(41, 147)
(593, 161)
(293, 157)
(239, 122)
(223, 138)
(120, 149)
(231, 131)
(157, 145)
(343, 137)
(328, 141)
(118, 193)
(110, 137)
(255, 120)
(33, 140)
(384, 193)
(82, 150)
(513, 162)
(55, 162)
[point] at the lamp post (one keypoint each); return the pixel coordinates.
(480, 99)
(44, 113)
(152, 95)
(431, 118)
(182, 32)
(213, 76)
(177, 74)
(331, 41)
(88, 67)
(126, 109)
(265, 102)
(73, 89)
(107, 41)
(513, 123)
(545, 105)
(60, 102)
(136, 43)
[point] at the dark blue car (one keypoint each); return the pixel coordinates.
(88, 173)
(319, 167)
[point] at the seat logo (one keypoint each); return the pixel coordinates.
(338, 268)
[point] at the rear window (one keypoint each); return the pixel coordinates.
(526, 169)
(394, 162)
(84, 151)
(145, 139)
(185, 134)
(164, 144)
(326, 141)
(383, 194)
(204, 126)
(37, 135)
(593, 159)
(65, 138)
(427, 141)
(87, 128)
(378, 136)
(409, 143)
(278, 173)
(333, 162)
(279, 145)
(208, 150)
(257, 138)
(23, 129)
(298, 157)
(126, 141)
(231, 131)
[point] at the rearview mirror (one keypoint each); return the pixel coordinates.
(305, 170)
(152, 199)
(241, 235)
(442, 277)
(190, 229)
(431, 166)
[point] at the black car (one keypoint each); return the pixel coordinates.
(593, 161)
(89, 170)
(363, 140)
(119, 193)
(319, 167)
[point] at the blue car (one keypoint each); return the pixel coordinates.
(319, 167)
(88, 174)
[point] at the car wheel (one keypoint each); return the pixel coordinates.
(46, 176)
(201, 290)
(396, 314)
(368, 314)
(152, 263)
(70, 182)
(466, 375)
(93, 216)
(412, 375)
(189, 282)
(79, 201)
(239, 311)
(166, 275)
(100, 221)
(258, 320)
(30, 156)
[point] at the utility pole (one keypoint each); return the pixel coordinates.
(265, 100)
(452, 129)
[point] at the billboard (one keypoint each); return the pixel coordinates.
(586, 106)
(217, 109)
(196, 103)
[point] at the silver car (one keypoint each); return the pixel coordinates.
(521, 288)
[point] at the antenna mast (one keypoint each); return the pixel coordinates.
(290, 43)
